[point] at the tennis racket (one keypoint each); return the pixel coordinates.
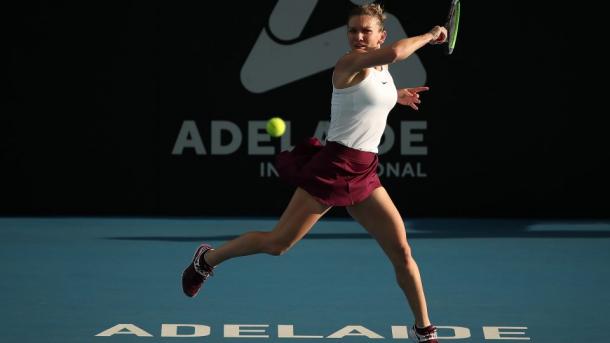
(453, 23)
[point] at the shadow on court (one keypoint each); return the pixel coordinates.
(440, 229)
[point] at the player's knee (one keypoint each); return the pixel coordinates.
(278, 246)
(278, 250)
(402, 258)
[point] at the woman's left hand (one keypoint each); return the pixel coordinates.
(410, 96)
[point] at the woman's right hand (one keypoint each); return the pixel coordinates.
(439, 35)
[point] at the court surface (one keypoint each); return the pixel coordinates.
(118, 280)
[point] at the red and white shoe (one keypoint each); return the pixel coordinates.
(423, 335)
(197, 272)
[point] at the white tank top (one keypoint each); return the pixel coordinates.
(359, 113)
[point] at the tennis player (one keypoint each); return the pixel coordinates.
(343, 172)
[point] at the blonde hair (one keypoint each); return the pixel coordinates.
(372, 9)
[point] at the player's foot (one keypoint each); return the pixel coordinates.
(423, 335)
(197, 272)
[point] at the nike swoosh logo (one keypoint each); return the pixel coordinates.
(384, 82)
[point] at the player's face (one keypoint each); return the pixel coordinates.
(364, 33)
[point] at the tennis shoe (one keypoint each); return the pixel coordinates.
(423, 335)
(197, 272)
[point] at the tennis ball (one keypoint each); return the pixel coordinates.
(276, 127)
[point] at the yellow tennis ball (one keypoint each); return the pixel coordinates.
(276, 127)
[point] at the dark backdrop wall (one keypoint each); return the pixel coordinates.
(158, 108)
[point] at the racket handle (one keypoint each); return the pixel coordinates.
(434, 34)
(439, 35)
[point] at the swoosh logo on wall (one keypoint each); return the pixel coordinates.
(272, 64)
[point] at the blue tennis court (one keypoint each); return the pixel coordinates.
(118, 280)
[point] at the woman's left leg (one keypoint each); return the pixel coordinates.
(380, 217)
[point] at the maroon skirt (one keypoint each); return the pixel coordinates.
(333, 174)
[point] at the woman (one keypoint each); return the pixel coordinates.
(343, 172)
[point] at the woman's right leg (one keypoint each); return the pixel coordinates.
(380, 217)
(298, 218)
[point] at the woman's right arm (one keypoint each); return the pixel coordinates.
(397, 51)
